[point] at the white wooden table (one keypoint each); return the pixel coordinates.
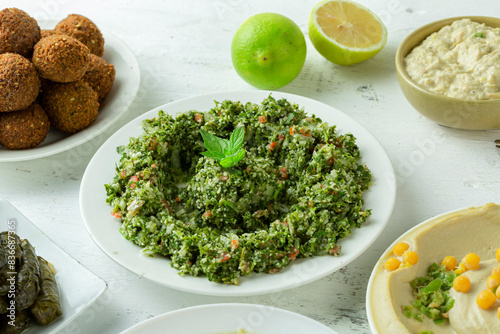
(183, 48)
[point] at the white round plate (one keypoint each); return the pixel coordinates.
(228, 319)
(431, 223)
(103, 228)
(124, 89)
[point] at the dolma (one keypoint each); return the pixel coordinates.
(17, 325)
(3, 259)
(27, 283)
(4, 304)
(47, 306)
(12, 252)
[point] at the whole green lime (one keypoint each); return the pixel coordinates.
(268, 50)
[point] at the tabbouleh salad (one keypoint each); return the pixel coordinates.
(296, 192)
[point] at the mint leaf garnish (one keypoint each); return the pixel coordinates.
(214, 143)
(227, 152)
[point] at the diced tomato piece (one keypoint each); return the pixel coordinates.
(234, 244)
(116, 214)
(225, 257)
(207, 214)
(284, 174)
(305, 132)
(153, 143)
(262, 119)
(198, 117)
(335, 250)
(294, 253)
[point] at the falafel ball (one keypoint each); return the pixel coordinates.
(61, 58)
(19, 32)
(84, 30)
(25, 128)
(71, 107)
(19, 82)
(100, 76)
(46, 33)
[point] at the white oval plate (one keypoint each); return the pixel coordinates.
(229, 318)
(103, 228)
(122, 93)
(78, 287)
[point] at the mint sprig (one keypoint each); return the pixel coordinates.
(227, 152)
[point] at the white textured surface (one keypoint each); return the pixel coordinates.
(183, 49)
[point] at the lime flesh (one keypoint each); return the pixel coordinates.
(345, 32)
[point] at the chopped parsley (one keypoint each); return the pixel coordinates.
(293, 188)
(431, 295)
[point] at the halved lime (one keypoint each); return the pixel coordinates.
(345, 32)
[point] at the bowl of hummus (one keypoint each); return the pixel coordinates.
(449, 71)
(393, 298)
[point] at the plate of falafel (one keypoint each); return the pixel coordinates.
(61, 83)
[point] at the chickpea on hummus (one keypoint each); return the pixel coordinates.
(461, 60)
(458, 233)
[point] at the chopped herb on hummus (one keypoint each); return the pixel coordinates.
(296, 191)
(431, 295)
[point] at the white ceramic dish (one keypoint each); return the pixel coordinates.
(78, 287)
(124, 89)
(229, 318)
(435, 225)
(103, 228)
